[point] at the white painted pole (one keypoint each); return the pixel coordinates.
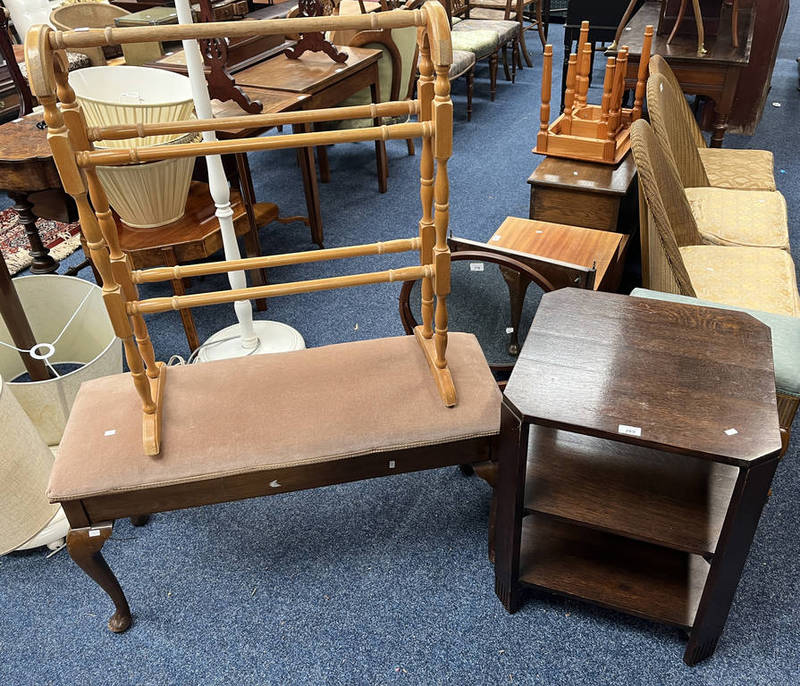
(217, 181)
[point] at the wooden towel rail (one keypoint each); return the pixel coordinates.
(72, 143)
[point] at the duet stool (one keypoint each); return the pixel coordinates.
(261, 425)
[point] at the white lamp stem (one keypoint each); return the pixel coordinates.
(217, 181)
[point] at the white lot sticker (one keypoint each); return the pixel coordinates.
(94, 532)
(391, 464)
(110, 432)
(509, 329)
(476, 266)
(731, 432)
(629, 430)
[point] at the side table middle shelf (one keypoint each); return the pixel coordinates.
(636, 455)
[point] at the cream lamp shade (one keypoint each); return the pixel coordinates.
(146, 195)
(25, 462)
(71, 326)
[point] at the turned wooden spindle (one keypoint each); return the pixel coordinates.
(641, 77)
(120, 265)
(605, 104)
(583, 36)
(425, 90)
(569, 93)
(71, 178)
(614, 117)
(547, 84)
(582, 78)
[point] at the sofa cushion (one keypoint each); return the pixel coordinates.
(785, 337)
(748, 218)
(754, 278)
(267, 411)
(750, 170)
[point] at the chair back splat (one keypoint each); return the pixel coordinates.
(76, 159)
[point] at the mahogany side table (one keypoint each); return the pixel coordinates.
(637, 449)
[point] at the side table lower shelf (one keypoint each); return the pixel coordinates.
(641, 579)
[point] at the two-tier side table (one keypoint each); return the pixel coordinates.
(638, 446)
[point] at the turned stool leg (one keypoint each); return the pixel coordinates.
(43, 263)
(84, 546)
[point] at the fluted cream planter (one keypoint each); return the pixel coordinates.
(49, 301)
(130, 95)
(25, 463)
(151, 194)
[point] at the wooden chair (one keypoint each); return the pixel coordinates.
(210, 447)
(93, 15)
(721, 168)
(397, 69)
(485, 40)
(724, 216)
(488, 299)
(523, 11)
(676, 260)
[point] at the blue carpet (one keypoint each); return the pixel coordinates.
(385, 581)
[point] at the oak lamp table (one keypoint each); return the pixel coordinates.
(596, 196)
(27, 167)
(639, 440)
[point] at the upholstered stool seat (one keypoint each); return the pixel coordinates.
(729, 217)
(739, 169)
(785, 337)
(754, 278)
(506, 30)
(302, 409)
(481, 43)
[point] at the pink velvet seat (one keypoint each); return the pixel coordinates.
(267, 412)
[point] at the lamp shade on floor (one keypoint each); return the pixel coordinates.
(25, 462)
(69, 315)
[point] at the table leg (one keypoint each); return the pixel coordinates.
(305, 158)
(470, 90)
(43, 263)
(512, 454)
(748, 499)
(380, 145)
(17, 324)
(251, 240)
(178, 287)
(720, 127)
(517, 287)
(84, 545)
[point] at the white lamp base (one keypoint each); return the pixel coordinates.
(52, 535)
(273, 337)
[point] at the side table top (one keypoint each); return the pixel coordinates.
(573, 244)
(555, 172)
(680, 378)
(309, 74)
(21, 140)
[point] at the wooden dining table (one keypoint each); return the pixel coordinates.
(281, 85)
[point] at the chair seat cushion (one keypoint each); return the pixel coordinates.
(751, 170)
(480, 43)
(268, 411)
(462, 61)
(785, 337)
(753, 278)
(742, 218)
(507, 30)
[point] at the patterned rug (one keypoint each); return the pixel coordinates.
(61, 239)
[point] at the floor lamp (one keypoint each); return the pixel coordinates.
(248, 337)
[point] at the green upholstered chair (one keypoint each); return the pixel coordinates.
(785, 344)
(397, 72)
